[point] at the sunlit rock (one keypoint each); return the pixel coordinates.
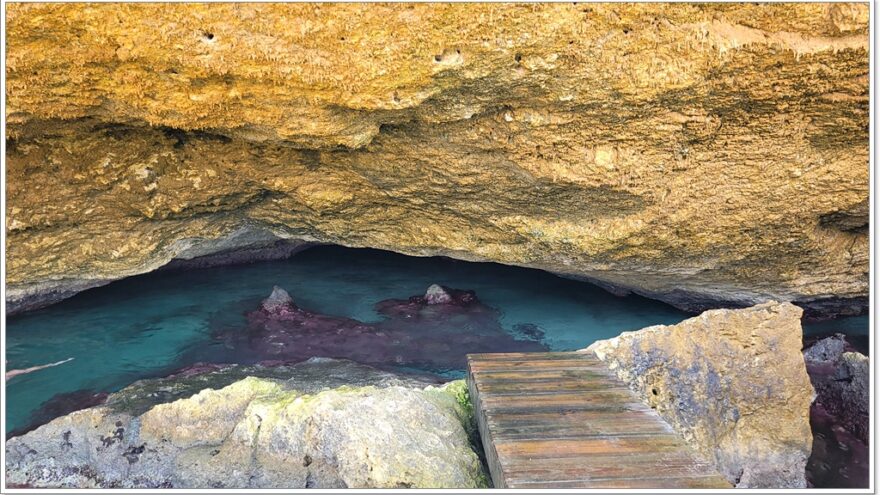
(733, 383)
(701, 154)
(260, 433)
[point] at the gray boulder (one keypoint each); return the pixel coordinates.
(436, 294)
(278, 300)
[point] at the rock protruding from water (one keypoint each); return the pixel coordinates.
(415, 332)
(826, 350)
(841, 380)
(260, 433)
(441, 295)
(436, 294)
(732, 383)
(277, 302)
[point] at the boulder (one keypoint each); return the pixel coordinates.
(437, 295)
(842, 382)
(260, 433)
(732, 383)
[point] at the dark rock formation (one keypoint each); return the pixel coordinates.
(433, 331)
(841, 379)
(838, 459)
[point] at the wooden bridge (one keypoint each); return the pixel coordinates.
(563, 420)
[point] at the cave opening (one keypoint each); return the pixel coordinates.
(357, 307)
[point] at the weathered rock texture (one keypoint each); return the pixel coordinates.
(842, 382)
(733, 383)
(694, 153)
(259, 433)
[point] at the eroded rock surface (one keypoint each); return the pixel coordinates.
(259, 433)
(733, 383)
(695, 153)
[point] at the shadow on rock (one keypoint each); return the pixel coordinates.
(840, 415)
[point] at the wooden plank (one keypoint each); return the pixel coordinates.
(518, 356)
(550, 431)
(708, 482)
(563, 420)
(539, 389)
(560, 400)
(582, 447)
(609, 462)
(542, 376)
(525, 364)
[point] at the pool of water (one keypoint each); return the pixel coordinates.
(153, 324)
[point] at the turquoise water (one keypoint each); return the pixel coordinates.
(153, 324)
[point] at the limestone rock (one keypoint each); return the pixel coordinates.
(277, 300)
(825, 350)
(260, 432)
(842, 382)
(437, 295)
(733, 383)
(695, 153)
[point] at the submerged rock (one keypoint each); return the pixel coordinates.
(842, 381)
(434, 332)
(839, 459)
(733, 383)
(261, 433)
(59, 405)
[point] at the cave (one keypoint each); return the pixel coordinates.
(244, 239)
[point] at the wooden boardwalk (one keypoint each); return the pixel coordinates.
(563, 420)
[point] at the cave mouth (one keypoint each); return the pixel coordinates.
(155, 324)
